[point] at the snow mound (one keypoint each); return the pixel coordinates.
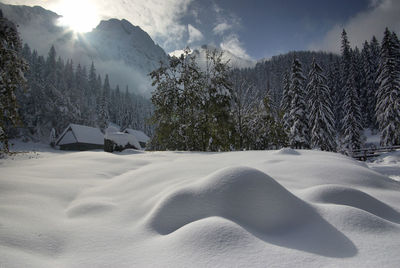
(89, 207)
(244, 195)
(288, 151)
(129, 152)
(341, 195)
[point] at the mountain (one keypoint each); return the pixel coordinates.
(124, 51)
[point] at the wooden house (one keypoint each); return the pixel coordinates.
(80, 138)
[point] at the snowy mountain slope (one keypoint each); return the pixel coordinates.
(37, 26)
(173, 209)
(117, 47)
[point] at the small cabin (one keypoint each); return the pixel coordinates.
(141, 137)
(80, 138)
(119, 141)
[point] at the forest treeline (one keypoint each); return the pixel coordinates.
(305, 100)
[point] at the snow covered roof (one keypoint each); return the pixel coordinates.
(140, 135)
(122, 139)
(80, 134)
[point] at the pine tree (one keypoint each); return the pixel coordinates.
(321, 116)
(104, 115)
(12, 68)
(388, 94)
(352, 113)
(360, 82)
(299, 133)
(370, 55)
(334, 85)
(286, 103)
(345, 66)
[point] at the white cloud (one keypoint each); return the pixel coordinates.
(221, 28)
(382, 13)
(159, 18)
(232, 44)
(194, 34)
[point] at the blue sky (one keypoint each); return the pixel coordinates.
(251, 29)
(266, 28)
(272, 27)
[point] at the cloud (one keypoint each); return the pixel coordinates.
(361, 27)
(161, 19)
(194, 34)
(232, 44)
(221, 28)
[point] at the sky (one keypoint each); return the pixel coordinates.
(251, 29)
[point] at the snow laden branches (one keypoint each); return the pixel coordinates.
(320, 111)
(12, 68)
(298, 121)
(308, 117)
(388, 94)
(351, 121)
(257, 125)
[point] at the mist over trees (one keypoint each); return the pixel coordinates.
(60, 92)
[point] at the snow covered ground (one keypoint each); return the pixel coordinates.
(281, 208)
(387, 164)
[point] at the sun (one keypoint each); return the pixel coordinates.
(79, 15)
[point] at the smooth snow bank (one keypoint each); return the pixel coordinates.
(288, 151)
(175, 209)
(340, 195)
(243, 195)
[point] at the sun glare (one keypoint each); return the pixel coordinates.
(79, 15)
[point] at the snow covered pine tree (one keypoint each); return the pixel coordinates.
(351, 122)
(322, 124)
(388, 94)
(12, 67)
(299, 133)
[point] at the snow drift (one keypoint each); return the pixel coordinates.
(243, 195)
(166, 209)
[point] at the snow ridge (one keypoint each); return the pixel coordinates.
(241, 194)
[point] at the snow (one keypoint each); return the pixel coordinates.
(67, 139)
(82, 134)
(387, 164)
(112, 129)
(140, 136)
(287, 208)
(122, 139)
